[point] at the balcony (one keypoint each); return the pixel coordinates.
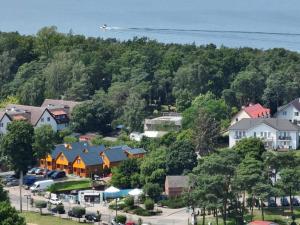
(284, 138)
(238, 137)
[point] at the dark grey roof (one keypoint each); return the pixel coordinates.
(295, 103)
(115, 154)
(177, 181)
(77, 149)
(135, 151)
(278, 124)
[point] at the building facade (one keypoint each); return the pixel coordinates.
(275, 133)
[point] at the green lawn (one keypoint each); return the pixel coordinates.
(72, 185)
(37, 219)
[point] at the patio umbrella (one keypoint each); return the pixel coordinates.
(112, 190)
(135, 192)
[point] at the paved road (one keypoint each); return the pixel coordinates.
(168, 216)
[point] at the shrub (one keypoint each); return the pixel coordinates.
(129, 202)
(78, 212)
(121, 219)
(40, 204)
(121, 205)
(60, 209)
(141, 212)
(174, 203)
(149, 204)
(152, 190)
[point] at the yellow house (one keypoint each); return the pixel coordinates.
(64, 162)
(87, 164)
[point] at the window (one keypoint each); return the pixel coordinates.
(62, 157)
(236, 119)
(261, 134)
(254, 134)
(1, 124)
(244, 133)
(48, 119)
(284, 113)
(296, 113)
(269, 134)
(78, 161)
(42, 120)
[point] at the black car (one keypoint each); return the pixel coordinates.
(55, 210)
(58, 174)
(284, 202)
(92, 217)
(272, 202)
(70, 213)
(295, 202)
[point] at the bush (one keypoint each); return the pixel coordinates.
(174, 203)
(121, 205)
(149, 204)
(60, 209)
(121, 219)
(153, 191)
(129, 202)
(40, 204)
(78, 212)
(142, 212)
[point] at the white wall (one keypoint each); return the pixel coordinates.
(44, 120)
(272, 136)
(5, 120)
(239, 116)
(290, 114)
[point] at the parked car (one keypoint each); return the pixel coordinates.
(8, 178)
(29, 180)
(55, 201)
(284, 201)
(58, 174)
(39, 171)
(130, 223)
(50, 172)
(41, 185)
(92, 217)
(272, 202)
(55, 210)
(45, 171)
(295, 202)
(32, 170)
(14, 182)
(70, 213)
(257, 222)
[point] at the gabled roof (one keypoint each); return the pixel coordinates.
(257, 110)
(177, 181)
(278, 124)
(82, 149)
(2, 114)
(63, 103)
(135, 151)
(91, 158)
(295, 103)
(115, 154)
(35, 112)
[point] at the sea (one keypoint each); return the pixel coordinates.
(262, 24)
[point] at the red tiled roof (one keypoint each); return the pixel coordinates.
(257, 110)
(58, 112)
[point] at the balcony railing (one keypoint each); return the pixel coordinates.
(285, 138)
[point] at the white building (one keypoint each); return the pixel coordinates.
(275, 133)
(251, 111)
(290, 111)
(157, 127)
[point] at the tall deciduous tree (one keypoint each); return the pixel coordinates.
(9, 215)
(181, 157)
(17, 145)
(206, 133)
(44, 141)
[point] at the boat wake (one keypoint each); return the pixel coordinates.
(149, 29)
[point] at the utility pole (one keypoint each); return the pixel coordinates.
(21, 184)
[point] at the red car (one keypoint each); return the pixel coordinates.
(258, 222)
(130, 223)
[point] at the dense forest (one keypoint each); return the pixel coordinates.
(127, 81)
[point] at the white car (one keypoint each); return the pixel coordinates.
(55, 201)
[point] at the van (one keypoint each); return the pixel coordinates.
(41, 185)
(58, 174)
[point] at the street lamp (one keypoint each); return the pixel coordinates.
(28, 197)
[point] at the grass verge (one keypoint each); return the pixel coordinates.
(37, 219)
